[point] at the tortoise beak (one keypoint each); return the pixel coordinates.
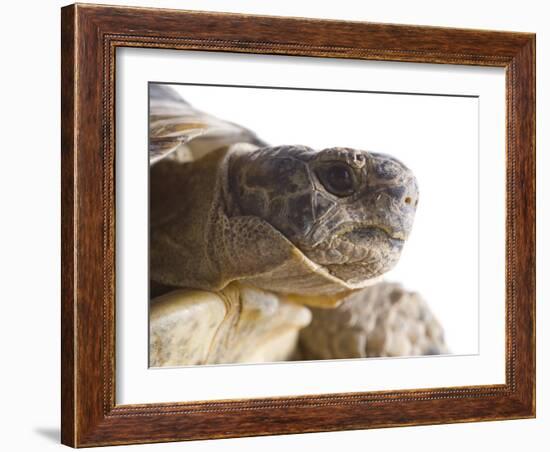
(391, 194)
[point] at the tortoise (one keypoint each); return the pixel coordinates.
(248, 239)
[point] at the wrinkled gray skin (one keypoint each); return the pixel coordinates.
(227, 207)
(347, 210)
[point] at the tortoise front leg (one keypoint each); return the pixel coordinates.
(382, 320)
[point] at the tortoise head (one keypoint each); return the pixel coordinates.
(349, 211)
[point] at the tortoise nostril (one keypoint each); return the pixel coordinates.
(408, 200)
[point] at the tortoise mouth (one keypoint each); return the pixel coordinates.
(367, 231)
(368, 252)
(358, 253)
(368, 243)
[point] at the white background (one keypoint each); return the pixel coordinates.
(436, 136)
(30, 226)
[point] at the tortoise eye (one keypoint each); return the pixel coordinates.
(337, 178)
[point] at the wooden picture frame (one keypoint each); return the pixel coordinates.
(90, 37)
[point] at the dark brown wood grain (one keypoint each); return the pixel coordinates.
(90, 36)
(67, 226)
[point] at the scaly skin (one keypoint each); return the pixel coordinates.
(356, 232)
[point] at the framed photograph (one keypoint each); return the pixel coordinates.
(282, 225)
